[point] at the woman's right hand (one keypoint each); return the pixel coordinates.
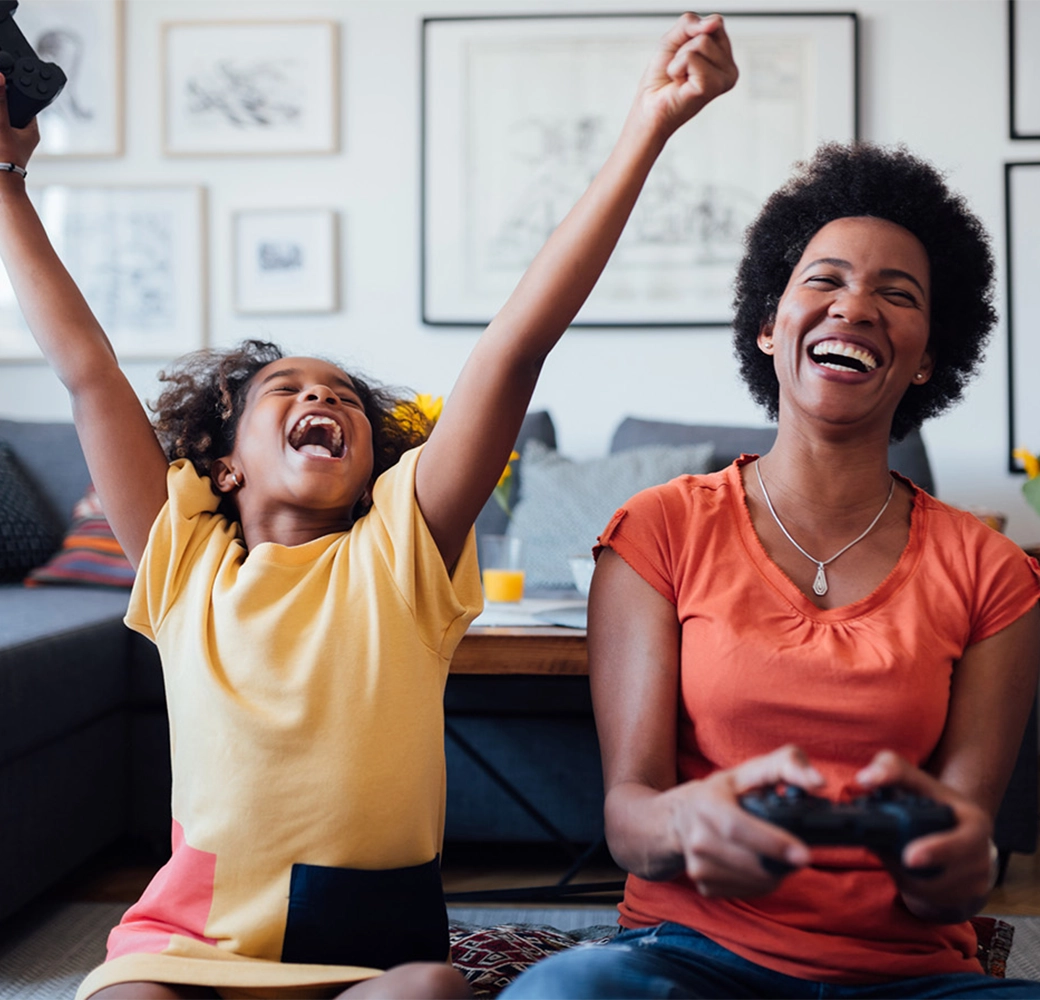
(16, 144)
(721, 844)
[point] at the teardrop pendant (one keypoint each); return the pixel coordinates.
(820, 583)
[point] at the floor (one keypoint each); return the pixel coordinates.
(120, 877)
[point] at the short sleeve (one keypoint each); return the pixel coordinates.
(640, 532)
(1008, 584)
(443, 603)
(187, 524)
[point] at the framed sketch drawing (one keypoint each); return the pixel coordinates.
(1024, 68)
(1022, 221)
(137, 256)
(285, 261)
(85, 38)
(520, 112)
(250, 87)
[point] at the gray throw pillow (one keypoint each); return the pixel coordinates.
(565, 504)
(28, 532)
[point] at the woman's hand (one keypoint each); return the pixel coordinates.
(723, 849)
(964, 854)
(692, 66)
(16, 144)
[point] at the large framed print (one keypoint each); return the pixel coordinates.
(285, 261)
(244, 87)
(136, 254)
(1022, 222)
(520, 112)
(1024, 68)
(85, 38)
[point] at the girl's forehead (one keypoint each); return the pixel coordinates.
(309, 370)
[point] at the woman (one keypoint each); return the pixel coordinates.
(809, 618)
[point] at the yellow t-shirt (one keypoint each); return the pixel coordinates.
(305, 693)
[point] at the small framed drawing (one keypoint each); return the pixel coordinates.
(520, 112)
(1022, 221)
(285, 261)
(1023, 68)
(85, 38)
(250, 87)
(137, 255)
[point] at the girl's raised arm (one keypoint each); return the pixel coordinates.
(126, 462)
(472, 440)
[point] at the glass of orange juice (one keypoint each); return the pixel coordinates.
(502, 568)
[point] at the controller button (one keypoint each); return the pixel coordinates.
(25, 65)
(45, 74)
(25, 81)
(43, 87)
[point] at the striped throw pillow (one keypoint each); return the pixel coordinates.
(89, 554)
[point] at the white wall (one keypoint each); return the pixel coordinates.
(934, 75)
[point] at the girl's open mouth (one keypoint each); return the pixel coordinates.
(319, 435)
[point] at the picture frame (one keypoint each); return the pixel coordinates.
(85, 38)
(1023, 69)
(138, 256)
(1021, 220)
(518, 113)
(286, 261)
(250, 87)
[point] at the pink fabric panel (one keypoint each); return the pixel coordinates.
(177, 901)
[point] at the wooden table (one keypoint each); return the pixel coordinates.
(527, 649)
(530, 650)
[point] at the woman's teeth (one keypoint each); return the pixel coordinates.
(841, 356)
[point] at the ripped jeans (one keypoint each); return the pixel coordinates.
(674, 961)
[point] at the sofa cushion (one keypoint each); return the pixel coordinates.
(28, 530)
(909, 456)
(565, 504)
(89, 553)
(50, 455)
(537, 426)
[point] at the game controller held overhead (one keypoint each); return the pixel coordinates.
(32, 84)
(884, 821)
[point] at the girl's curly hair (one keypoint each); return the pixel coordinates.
(862, 179)
(197, 413)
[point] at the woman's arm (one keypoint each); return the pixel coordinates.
(655, 827)
(126, 463)
(472, 441)
(993, 688)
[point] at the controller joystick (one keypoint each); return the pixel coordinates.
(884, 821)
(32, 84)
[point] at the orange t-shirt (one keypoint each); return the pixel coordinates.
(762, 666)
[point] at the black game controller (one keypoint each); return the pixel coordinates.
(884, 821)
(31, 83)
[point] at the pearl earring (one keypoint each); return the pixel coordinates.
(235, 479)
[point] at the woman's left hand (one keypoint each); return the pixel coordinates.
(963, 855)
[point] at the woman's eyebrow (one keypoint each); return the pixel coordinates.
(887, 272)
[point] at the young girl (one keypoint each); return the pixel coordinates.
(307, 574)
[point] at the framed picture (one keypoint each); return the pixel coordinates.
(85, 38)
(520, 112)
(250, 87)
(137, 255)
(1022, 221)
(1024, 69)
(285, 261)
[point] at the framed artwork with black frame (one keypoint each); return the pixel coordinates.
(1024, 69)
(519, 112)
(1022, 222)
(85, 38)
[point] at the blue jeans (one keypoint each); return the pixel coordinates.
(674, 961)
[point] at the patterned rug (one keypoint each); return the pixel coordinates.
(49, 955)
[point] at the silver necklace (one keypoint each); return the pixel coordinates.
(820, 583)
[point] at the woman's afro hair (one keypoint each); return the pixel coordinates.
(862, 179)
(197, 413)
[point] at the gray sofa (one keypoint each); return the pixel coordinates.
(84, 756)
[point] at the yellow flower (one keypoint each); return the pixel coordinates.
(1029, 460)
(424, 405)
(503, 491)
(507, 471)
